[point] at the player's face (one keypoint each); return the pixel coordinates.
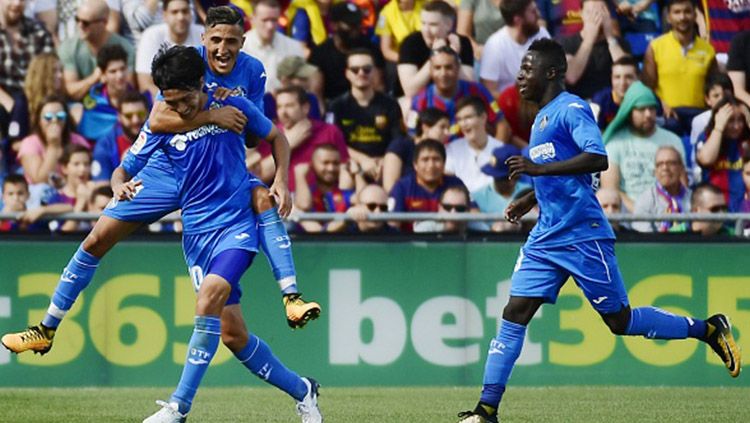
(681, 17)
(444, 71)
(326, 165)
(132, 116)
(643, 120)
(223, 43)
(288, 109)
(265, 21)
(531, 80)
(185, 103)
(178, 17)
(359, 70)
(623, 77)
(79, 167)
(116, 76)
(668, 168)
(429, 166)
(472, 124)
(441, 131)
(15, 197)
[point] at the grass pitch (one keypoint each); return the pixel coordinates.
(343, 405)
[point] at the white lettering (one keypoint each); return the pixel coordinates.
(429, 332)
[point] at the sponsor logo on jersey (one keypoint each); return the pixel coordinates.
(543, 123)
(180, 141)
(576, 105)
(544, 151)
(139, 143)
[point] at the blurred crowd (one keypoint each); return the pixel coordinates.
(390, 105)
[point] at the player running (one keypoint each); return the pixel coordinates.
(157, 197)
(572, 236)
(220, 235)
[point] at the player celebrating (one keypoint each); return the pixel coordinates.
(227, 67)
(220, 233)
(572, 236)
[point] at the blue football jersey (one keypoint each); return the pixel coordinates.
(209, 167)
(247, 78)
(569, 210)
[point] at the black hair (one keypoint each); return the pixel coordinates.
(15, 179)
(552, 54)
(512, 8)
(110, 53)
(223, 15)
(475, 102)
(627, 60)
(131, 96)
(178, 68)
(165, 3)
(71, 149)
(728, 99)
(361, 51)
(273, 4)
(103, 190)
(671, 3)
(296, 91)
(429, 145)
(441, 7)
(430, 117)
(718, 78)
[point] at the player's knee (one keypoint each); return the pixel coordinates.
(261, 200)
(618, 322)
(234, 338)
(212, 297)
(96, 244)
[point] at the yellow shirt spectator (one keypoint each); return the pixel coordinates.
(397, 23)
(681, 73)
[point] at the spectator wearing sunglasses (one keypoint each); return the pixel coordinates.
(101, 103)
(132, 111)
(371, 200)
(370, 120)
(52, 131)
(454, 199)
(706, 198)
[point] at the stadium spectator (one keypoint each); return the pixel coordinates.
(745, 206)
(140, 15)
(370, 120)
(454, 199)
(304, 134)
(101, 103)
(21, 39)
(631, 141)
(496, 195)
(717, 86)
(706, 198)
(293, 71)
(676, 65)
(561, 17)
(738, 66)
(446, 89)
(519, 115)
(309, 21)
(100, 196)
(45, 12)
(667, 195)
(421, 191)
(132, 111)
(591, 52)
(506, 47)
(466, 155)
(330, 56)
(431, 123)
(177, 29)
(719, 21)
(323, 185)
(624, 73)
(414, 65)
(398, 19)
(52, 131)
(372, 199)
(478, 20)
(43, 78)
(639, 16)
(75, 165)
(611, 203)
(720, 151)
(267, 44)
(78, 53)
(65, 23)
(15, 196)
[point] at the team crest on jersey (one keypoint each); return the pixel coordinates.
(381, 121)
(235, 92)
(544, 151)
(543, 123)
(139, 143)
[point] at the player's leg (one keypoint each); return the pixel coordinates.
(534, 281)
(76, 276)
(603, 285)
(277, 246)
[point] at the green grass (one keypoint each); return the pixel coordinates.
(342, 405)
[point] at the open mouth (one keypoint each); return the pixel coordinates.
(222, 59)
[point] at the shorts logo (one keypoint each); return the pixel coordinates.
(242, 236)
(598, 300)
(546, 151)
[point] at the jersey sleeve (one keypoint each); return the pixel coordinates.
(257, 90)
(257, 123)
(583, 128)
(143, 147)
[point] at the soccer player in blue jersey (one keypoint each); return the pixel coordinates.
(564, 150)
(243, 74)
(220, 232)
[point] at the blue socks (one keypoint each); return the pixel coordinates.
(275, 242)
(502, 355)
(74, 279)
(655, 323)
(259, 359)
(201, 350)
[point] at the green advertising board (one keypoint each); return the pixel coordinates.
(396, 313)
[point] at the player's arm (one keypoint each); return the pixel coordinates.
(582, 163)
(165, 120)
(123, 187)
(519, 207)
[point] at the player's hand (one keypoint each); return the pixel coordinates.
(222, 93)
(229, 117)
(517, 209)
(126, 191)
(280, 193)
(519, 165)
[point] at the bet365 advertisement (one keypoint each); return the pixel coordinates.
(393, 314)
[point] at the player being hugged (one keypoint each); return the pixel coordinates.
(572, 237)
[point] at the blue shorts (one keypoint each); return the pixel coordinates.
(156, 198)
(592, 264)
(201, 249)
